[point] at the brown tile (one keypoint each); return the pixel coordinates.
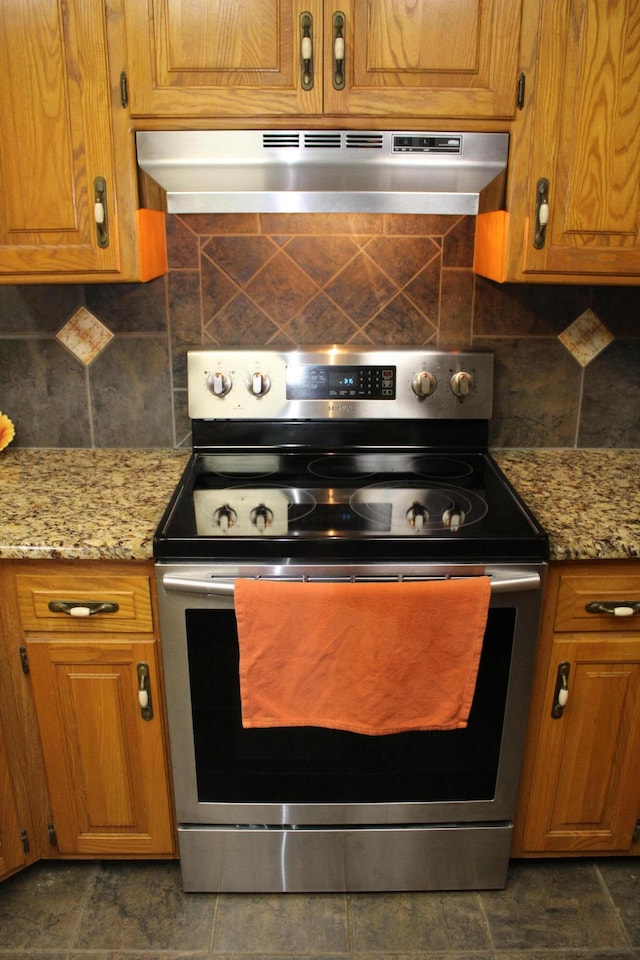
(40, 908)
(401, 258)
(144, 908)
(211, 224)
(427, 225)
(322, 257)
(320, 321)
(185, 322)
(513, 309)
(400, 323)
(361, 289)
(424, 291)
(556, 906)
(129, 307)
(281, 289)
(216, 289)
(458, 244)
(240, 322)
(321, 223)
(417, 924)
(456, 309)
(182, 243)
(239, 257)
(294, 924)
(537, 390)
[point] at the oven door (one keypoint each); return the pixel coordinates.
(225, 774)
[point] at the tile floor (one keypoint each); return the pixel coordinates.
(550, 910)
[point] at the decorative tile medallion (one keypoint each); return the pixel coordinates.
(84, 335)
(586, 337)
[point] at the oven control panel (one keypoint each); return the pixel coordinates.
(339, 382)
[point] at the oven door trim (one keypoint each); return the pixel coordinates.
(207, 585)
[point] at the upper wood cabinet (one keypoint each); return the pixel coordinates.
(580, 788)
(576, 146)
(67, 167)
(446, 59)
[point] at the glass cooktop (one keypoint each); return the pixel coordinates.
(367, 505)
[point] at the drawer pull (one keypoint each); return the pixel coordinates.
(614, 608)
(76, 608)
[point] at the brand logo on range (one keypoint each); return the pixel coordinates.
(341, 407)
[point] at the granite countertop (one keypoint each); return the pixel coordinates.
(106, 504)
(84, 504)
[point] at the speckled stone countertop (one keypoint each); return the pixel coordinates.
(84, 504)
(106, 504)
(588, 501)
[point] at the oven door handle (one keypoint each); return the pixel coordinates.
(225, 588)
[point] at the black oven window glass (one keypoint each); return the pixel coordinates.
(316, 765)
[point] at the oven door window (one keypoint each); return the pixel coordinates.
(315, 765)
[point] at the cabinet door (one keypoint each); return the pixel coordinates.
(437, 58)
(587, 137)
(220, 58)
(579, 133)
(13, 854)
(105, 762)
(585, 791)
(56, 138)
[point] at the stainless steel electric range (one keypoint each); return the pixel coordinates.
(327, 465)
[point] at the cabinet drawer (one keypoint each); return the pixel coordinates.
(127, 601)
(577, 592)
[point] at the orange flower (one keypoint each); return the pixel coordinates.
(7, 431)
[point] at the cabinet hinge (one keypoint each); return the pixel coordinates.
(24, 660)
(24, 840)
(522, 81)
(124, 90)
(53, 837)
(636, 833)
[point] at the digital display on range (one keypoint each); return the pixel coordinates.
(341, 383)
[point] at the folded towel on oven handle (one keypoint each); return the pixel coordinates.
(372, 658)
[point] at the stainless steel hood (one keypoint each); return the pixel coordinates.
(321, 171)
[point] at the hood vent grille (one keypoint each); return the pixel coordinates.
(321, 171)
(318, 140)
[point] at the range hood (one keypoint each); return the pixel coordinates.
(321, 171)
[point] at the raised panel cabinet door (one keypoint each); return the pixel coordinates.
(13, 855)
(585, 790)
(435, 58)
(222, 58)
(105, 762)
(586, 139)
(56, 139)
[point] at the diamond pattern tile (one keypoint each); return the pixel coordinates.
(586, 337)
(84, 335)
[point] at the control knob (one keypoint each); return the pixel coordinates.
(453, 518)
(461, 384)
(225, 517)
(258, 384)
(219, 384)
(424, 384)
(261, 517)
(417, 515)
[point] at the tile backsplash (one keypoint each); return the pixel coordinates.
(103, 365)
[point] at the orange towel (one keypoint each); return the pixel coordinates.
(370, 658)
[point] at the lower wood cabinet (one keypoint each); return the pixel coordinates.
(81, 644)
(580, 786)
(103, 750)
